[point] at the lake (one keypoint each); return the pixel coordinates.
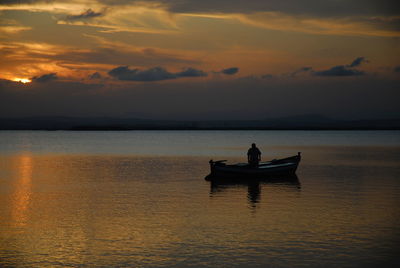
(139, 199)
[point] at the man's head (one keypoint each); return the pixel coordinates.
(253, 145)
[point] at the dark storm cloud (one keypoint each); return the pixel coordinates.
(45, 78)
(332, 8)
(357, 62)
(88, 14)
(230, 71)
(152, 74)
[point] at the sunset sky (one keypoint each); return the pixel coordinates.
(188, 59)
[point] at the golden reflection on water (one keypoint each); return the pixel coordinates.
(23, 190)
(102, 210)
(92, 205)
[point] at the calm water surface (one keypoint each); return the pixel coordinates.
(139, 199)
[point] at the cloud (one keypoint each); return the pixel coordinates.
(357, 62)
(152, 74)
(16, 2)
(332, 8)
(230, 71)
(13, 29)
(339, 70)
(191, 72)
(11, 26)
(45, 78)
(328, 25)
(20, 59)
(88, 14)
(305, 69)
(306, 7)
(118, 53)
(135, 17)
(54, 6)
(331, 17)
(95, 75)
(343, 70)
(301, 70)
(397, 69)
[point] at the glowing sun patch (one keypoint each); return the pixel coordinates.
(22, 80)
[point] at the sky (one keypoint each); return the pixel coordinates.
(200, 60)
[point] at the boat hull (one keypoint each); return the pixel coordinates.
(273, 169)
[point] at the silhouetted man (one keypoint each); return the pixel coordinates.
(253, 155)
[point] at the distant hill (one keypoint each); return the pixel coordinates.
(306, 122)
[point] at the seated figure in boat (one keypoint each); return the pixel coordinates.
(253, 155)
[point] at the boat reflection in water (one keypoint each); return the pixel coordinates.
(254, 185)
(276, 171)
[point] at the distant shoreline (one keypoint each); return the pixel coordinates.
(196, 129)
(304, 122)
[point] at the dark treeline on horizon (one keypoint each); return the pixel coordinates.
(288, 123)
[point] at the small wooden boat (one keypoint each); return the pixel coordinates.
(277, 168)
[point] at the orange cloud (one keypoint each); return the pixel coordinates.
(13, 29)
(357, 26)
